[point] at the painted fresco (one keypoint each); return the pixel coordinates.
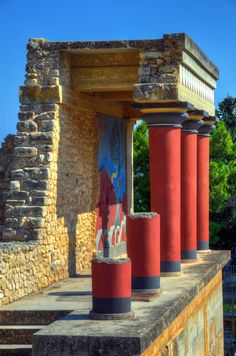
(111, 208)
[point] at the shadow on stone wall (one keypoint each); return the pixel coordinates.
(6, 159)
(77, 184)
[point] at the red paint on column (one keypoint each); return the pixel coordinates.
(188, 191)
(165, 187)
(203, 154)
(143, 245)
(111, 279)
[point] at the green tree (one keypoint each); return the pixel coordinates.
(141, 168)
(227, 112)
(222, 167)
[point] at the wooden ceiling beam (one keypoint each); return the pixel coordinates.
(90, 103)
(104, 79)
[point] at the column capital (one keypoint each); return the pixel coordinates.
(194, 121)
(208, 126)
(164, 114)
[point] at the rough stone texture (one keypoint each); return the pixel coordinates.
(52, 201)
(6, 153)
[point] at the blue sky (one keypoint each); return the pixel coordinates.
(211, 23)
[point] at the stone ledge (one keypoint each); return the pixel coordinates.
(76, 334)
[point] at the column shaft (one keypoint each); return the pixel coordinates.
(188, 195)
(165, 191)
(203, 192)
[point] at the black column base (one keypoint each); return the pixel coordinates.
(111, 305)
(145, 283)
(188, 254)
(170, 266)
(203, 245)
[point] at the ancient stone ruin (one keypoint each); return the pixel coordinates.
(66, 177)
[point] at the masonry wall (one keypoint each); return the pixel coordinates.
(49, 223)
(198, 329)
(6, 155)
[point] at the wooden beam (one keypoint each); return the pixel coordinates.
(132, 113)
(121, 78)
(129, 58)
(90, 103)
(118, 96)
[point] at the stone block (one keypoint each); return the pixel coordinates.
(41, 201)
(32, 223)
(167, 69)
(9, 233)
(13, 222)
(46, 115)
(47, 125)
(36, 94)
(21, 152)
(12, 202)
(19, 194)
(35, 184)
(15, 185)
(26, 115)
(21, 211)
(27, 126)
(46, 148)
(41, 137)
(18, 174)
(38, 173)
(144, 70)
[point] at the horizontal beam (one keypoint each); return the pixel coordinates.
(90, 103)
(92, 79)
(129, 58)
(118, 96)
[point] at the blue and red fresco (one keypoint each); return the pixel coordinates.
(111, 208)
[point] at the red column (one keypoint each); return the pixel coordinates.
(111, 288)
(203, 148)
(164, 141)
(189, 189)
(143, 248)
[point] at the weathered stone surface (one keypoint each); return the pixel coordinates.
(25, 211)
(18, 174)
(38, 173)
(40, 137)
(31, 184)
(15, 185)
(25, 152)
(28, 126)
(47, 125)
(26, 115)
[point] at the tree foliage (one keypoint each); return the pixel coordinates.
(141, 168)
(227, 112)
(222, 168)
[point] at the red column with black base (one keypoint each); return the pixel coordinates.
(165, 171)
(189, 189)
(111, 288)
(203, 155)
(143, 247)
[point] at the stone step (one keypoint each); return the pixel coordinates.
(31, 317)
(18, 334)
(16, 350)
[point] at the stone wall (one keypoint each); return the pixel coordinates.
(50, 211)
(198, 329)
(6, 152)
